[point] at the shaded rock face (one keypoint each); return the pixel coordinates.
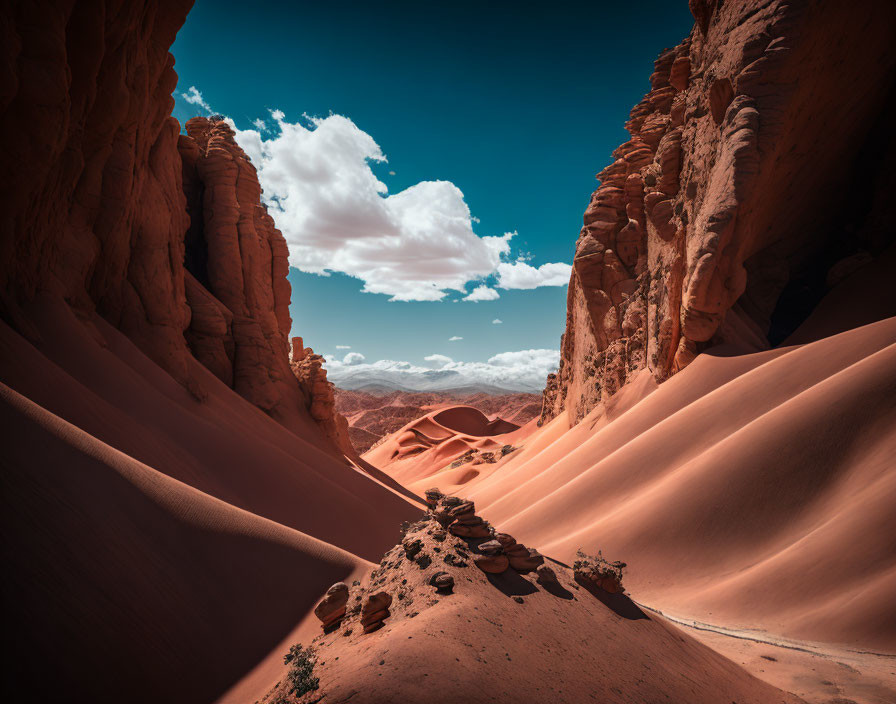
(237, 264)
(90, 183)
(106, 206)
(714, 223)
(319, 394)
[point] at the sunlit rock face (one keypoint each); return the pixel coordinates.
(752, 172)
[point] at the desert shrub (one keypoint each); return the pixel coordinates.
(301, 667)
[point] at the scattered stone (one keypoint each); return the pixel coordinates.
(423, 561)
(492, 547)
(443, 582)
(531, 562)
(519, 600)
(480, 530)
(598, 572)
(454, 560)
(412, 547)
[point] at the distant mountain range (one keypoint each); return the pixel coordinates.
(382, 381)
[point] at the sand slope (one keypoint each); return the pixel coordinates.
(158, 547)
(131, 584)
(753, 491)
(223, 445)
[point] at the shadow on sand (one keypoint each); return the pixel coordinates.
(511, 583)
(619, 603)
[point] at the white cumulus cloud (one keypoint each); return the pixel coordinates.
(497, 321)
(454, 338)
(194, 97)
(520, 275)
(343, 347)
(337, 216)
(353, 359)
(482, 293)
(439, 360)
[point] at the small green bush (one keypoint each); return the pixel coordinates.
(301, 667)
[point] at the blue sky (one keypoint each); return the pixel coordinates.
(517, 109)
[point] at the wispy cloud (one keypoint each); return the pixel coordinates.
(194, 97)
(343, 347)
(454, 338)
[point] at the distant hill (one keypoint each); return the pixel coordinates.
(376, 411)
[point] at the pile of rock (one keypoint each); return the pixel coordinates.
(331, 610)
(496, 555)
(522, 559)
(492, 559)
(597, 572)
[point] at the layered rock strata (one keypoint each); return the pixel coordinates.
(713, 222)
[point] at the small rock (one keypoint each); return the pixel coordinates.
(443, 582)
(492, 547)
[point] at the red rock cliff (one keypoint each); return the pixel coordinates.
(90, 187)
(105, 205)
(753, 174)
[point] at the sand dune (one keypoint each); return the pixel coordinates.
(222, 445)
(159, 547)
(754, 490)
(133, 584)
(429, 445)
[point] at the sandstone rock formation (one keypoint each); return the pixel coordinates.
(90, 185)
(319, 394)
(331, 609)
(107, 207)
(375, 611)
(237, 263)
(712, 224)
(596, 572)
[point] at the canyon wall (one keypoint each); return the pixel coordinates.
(107, 206)
(755, 179)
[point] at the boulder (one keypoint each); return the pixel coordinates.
(492, 564)
(331, 609)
